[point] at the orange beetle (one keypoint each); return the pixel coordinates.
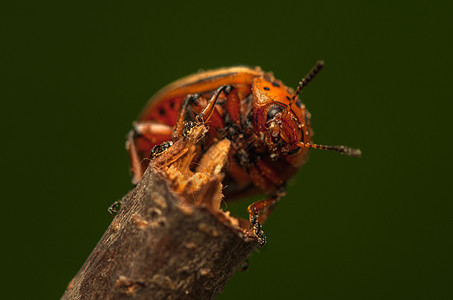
(267, 124)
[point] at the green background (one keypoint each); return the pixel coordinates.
(74, 76)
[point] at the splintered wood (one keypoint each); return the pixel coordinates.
(203, 186)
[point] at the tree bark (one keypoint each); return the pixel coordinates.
(157, 247)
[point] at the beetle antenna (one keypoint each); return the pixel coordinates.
(342, 149)
(306, 80)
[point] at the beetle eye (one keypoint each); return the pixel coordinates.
(273, 110)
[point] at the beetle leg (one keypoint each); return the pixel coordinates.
(206, 113)
(260, 210)
(232, 105)
(140, 140)
(114, 208)
(202, 117)
(269, 173)
(182, 117)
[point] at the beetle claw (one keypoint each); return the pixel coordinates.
(114, 208)
(257, 228)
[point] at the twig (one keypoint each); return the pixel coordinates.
(158, 247)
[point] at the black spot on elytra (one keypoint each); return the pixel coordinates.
(172, 104)
(275, 84)
(161, 111)
(266, 88)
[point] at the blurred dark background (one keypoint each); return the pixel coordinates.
(74, 76)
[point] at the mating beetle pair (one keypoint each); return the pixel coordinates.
(267, 124)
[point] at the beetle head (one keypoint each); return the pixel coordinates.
(279, 125)
(281, 120)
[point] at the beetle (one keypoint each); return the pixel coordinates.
(266, 122)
